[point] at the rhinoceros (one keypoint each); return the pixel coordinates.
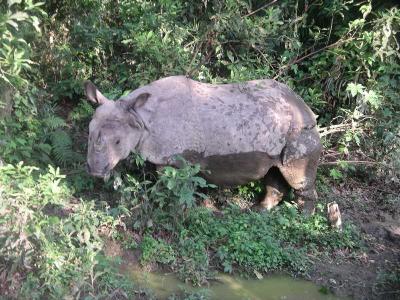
(237, 132)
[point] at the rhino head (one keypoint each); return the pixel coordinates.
(115, 130)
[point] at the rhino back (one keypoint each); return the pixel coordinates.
(184, 115)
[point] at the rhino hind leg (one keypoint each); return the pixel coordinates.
(276, 188)
(300, 170)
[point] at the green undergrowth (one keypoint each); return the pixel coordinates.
(250, 243)
(195, 241)
(50, 242)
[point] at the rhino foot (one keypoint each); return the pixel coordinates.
(307, 207)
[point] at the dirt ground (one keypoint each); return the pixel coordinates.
(374, 208)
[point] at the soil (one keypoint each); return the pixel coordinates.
(374, 209)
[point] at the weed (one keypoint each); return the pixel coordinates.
(194, 264)
(176, 189)
(388, 282)
(251, 190)
(156, 250)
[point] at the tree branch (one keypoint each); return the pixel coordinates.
(260, 8)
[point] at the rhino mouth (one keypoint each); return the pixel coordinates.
(105, 174)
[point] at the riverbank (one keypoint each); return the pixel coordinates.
(362, 262)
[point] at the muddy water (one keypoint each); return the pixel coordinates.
(234, 288)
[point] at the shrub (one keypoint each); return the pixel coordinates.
(46, 239)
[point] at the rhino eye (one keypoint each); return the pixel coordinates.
(117, 142)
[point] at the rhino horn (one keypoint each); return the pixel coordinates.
(93, 94)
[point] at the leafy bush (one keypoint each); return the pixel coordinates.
(251, 190)
(250, 242)
(156, 251)
(194, 261)
(177, 188)
(35, 134)
(46, 239)
(19, 25)
(162, 202)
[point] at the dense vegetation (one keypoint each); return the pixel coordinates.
(341, 56)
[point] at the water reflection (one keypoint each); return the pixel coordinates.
(275, 287)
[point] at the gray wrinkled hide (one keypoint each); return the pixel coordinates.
(185, 115)
(236, 131)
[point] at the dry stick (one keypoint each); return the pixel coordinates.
(356, 162)
(258, 9)
(322, 129)
(313, 53)
(190, 71)
(331, 130)
(202, 41)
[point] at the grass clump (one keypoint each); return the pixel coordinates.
(253, 242)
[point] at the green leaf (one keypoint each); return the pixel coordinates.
(372, 98)
(86, 235)
(12, 23)
(19, 16)
(230, 56)
(355, 89)
(336, 174)
(35, 23)
(12, 2)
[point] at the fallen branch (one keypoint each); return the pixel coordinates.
(334, 128)
(321, 129)
(353, 162)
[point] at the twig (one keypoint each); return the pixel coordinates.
(258, 9)
(388, 292)
(322, 129)
(333, 128)
(310, 54)
(380, 190)
(355, 162)
(202, 42)
(332, 131)
(190, 71)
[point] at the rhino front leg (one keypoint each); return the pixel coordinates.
(299, 167)
(300, 170)
(301, 174)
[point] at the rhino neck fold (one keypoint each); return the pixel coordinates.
(138, 147)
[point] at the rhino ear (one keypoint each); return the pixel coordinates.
(132, 105)
(93, 94)
(139, 101)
